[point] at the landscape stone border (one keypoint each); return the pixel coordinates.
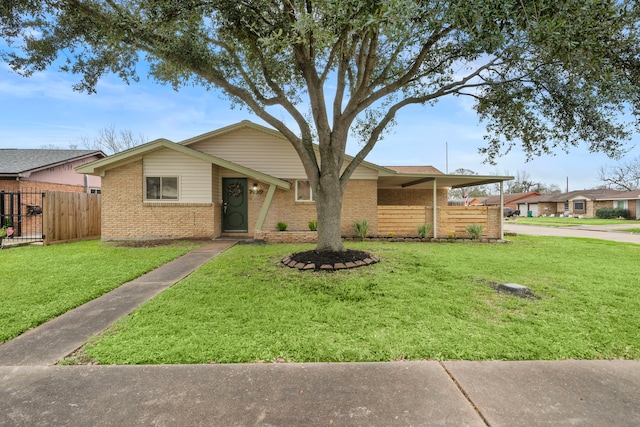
(289, 262)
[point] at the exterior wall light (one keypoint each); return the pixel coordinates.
(255, 189)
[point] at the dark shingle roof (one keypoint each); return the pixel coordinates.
(15, 161)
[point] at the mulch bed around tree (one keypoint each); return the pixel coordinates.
(326, 260)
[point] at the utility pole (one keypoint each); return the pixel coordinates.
(446, 144)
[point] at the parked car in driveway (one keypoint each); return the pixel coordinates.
(508, 212)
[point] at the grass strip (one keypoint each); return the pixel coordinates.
(38, 283)
(422, 301)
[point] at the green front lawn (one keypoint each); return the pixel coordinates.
(422, 301)
(569, 222)
(38, 283)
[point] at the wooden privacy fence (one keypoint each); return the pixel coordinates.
(69, 217)
(402, 220)
(451, 220)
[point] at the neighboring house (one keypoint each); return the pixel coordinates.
(25, 174)
(511, 200)
(39, 170)
(243, 179)
(626, 200)
(583, 203)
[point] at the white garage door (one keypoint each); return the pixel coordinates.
(522, 207)
(533, 207)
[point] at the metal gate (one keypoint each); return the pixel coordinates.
(21, 215)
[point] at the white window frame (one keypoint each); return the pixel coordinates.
(95, 191)
(617, 203)
(161, 199)
(311, 197)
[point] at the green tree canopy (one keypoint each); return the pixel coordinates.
(544, 74)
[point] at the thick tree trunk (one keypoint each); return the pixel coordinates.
(329, 207)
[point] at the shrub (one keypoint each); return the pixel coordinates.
(361, 228)
(475, 230)
(423, 230)
(313, 225)
(609, 213)
(281, 226)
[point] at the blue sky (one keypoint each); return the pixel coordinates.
(43, 110)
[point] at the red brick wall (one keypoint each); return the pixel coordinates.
(411, 197)
(126, 216)
(359, 202)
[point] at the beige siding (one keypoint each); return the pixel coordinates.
(194, 174)
(263, 152)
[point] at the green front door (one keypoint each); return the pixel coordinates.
(234, 205)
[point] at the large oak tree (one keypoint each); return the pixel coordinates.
(544, 74)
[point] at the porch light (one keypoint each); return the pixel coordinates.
(255, 189)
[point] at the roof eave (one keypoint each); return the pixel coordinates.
(100, 166)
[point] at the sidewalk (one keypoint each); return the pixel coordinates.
(426, 393)
(420, 393)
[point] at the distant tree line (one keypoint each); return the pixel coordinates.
(109, 140)
(522, 183)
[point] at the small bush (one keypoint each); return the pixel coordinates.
(423, 230)
(313, 225)
(282, 226)
(611, 213)
(361, 228)
(475, 230)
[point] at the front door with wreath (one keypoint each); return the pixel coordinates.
(234, 205)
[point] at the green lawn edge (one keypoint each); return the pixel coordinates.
(422, 301)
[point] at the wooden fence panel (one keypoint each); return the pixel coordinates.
(452, 220)
(455, 219)
(70, 217)
(401, 220)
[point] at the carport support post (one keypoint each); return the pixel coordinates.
(435, 211)
(501, 213)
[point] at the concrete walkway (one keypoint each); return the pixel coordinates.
(422, 393)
